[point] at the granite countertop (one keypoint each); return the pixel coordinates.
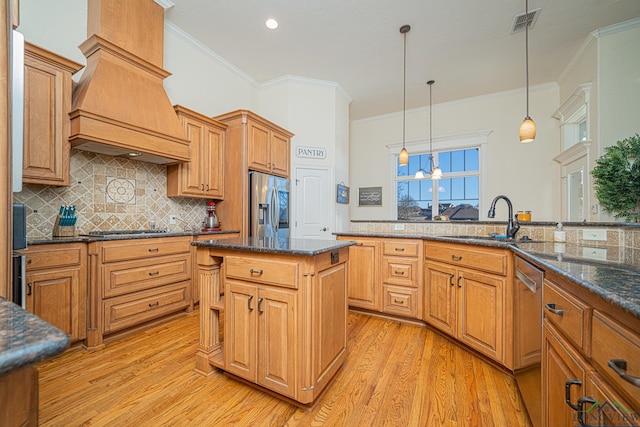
(126, 235)
(307, 247)
(617, 282)
(26, 339)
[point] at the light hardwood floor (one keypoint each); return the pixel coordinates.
(395, 375)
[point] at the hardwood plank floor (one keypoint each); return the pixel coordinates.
(395, 375)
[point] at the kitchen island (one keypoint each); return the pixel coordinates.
(283, 303)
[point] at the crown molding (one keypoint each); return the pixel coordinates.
(166, 4)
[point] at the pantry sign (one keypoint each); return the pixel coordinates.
(311, 152)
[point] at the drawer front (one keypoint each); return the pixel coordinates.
(133, 309)
(567, 313)
(613, 342)
(130, 276)
(400, 247)
(400, 271)
(143, 248)
(401, 301)
(483, 259)
(271, 272)
(58, 257)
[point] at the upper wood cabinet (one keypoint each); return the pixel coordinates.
(268, 149)
(47, 101)
(203, 175)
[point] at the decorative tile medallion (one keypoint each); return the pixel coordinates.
(121, 190)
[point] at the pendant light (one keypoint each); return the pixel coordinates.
(404, 154)
(436, 172)
(528, 126)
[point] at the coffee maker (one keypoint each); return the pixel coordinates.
(211, 221)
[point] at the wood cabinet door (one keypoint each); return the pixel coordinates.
(54, 296)
(213, 164)
(562, 369)
(46, 124)
(280, 155)
(240, 329)
(481, 312)
(258, 156)
(277, 340)
(608, 408)
(192, 172)
(440, 296)
(363, 287)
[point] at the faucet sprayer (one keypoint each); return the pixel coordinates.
(512, 227)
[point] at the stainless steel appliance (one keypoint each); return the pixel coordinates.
(528, 330)
(268, 205)
(17, 108)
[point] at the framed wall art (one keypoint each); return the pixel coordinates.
(342, 195)
(370, 196)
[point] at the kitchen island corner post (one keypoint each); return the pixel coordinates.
(209, 287)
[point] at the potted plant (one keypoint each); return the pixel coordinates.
(617, 179)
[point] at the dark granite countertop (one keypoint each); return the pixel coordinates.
(617, 282)
(307, 247)
(129, 235)
(26, 339)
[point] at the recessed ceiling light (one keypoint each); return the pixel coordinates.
(271, 23)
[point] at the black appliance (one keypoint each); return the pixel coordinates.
(19, 237)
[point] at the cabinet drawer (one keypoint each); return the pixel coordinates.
(143, 248)
(613, 342)
(406, 248)
(484, 259)
(54, 257)
(402, 301)
(133, 309)
(264, 271)
(130, 276)
(400, 271)
(567, 313)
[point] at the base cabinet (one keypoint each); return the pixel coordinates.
(470, 305)
(56, 288)
(364, 273)
(260, 335)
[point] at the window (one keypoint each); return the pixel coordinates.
(457, 195)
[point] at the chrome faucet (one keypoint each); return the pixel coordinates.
(512, 227)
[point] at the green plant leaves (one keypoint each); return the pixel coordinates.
(617, 179)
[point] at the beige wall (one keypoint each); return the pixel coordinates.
(525, 173)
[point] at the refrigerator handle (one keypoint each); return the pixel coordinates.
(277, 221)
(273, 211)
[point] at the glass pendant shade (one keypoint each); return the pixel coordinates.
(527, 130)
(404, 157)
(436, 173)
(420, 174)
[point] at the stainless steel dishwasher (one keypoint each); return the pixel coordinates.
(528, 335)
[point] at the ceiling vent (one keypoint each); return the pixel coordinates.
(520, 21)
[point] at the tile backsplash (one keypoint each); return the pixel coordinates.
(110, 193)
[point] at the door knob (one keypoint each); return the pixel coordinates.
(323, 229)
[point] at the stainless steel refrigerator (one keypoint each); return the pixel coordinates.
(268, 205)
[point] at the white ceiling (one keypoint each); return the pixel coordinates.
(466, 46)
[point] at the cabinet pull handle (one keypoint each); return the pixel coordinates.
(202, 186)
(153, 249)
(29, 260)
(552, 308)
(249, 303)
(29, 286)
(459, 279)
(451, 276)
(154, 273)
(207, 187)
(398, 302)
(620, 366)
(399, 249)
(456, 257)
(155, 304)
(399, 273)
(260, 310)
(581, 411)
(252, 271)
(567, 393)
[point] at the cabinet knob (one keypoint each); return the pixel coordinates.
(29, 260)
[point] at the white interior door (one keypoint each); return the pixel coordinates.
(313, 204)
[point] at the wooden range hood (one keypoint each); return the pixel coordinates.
(119, 105)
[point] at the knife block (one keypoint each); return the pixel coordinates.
(63, 230)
